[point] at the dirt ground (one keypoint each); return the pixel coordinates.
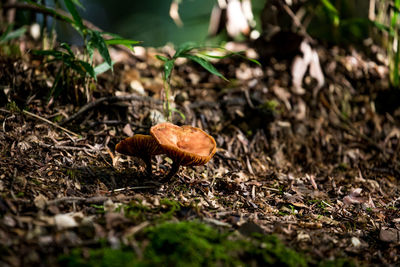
(320, 170)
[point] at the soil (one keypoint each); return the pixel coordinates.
(320, 170)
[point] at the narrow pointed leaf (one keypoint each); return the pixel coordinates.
(240, 54)
(97, 41)
(165, 59)
(78, 3)
(103, 67)
(205, 64)
(68, 48)
(120, 41)
(88, 68)
(9, 35)
(54, 53)
(74, 13)
(184, 48)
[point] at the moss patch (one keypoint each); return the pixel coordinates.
(190, 243)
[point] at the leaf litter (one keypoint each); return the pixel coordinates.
(319, 169)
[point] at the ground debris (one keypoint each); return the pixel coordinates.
(320, 170)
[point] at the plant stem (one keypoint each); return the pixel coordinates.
(167, 109)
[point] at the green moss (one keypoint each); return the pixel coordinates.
(165, 211)
(269, 106)
(183, 244)
(342, 167)
(10, 50)
(168, 208)
(103, 257)
(13, 107)
(269, 250)
(72, 173)
(191, 243)
(99, 208)
(136, 211)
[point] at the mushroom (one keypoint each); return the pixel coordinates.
(141, 146)
(185, 145)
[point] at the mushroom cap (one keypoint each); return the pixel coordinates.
(139, 145)
(189, 145)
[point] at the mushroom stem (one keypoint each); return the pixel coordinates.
(174, 169)
(147, 161)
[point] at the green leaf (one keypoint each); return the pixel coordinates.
(9, 35)
(82, 67)
(184, 48)
(165, 59)
(113, 35)
(8, 30)
(53, 91)
(75, 15)
(97, 41)
(383, 27)
(57, 54)
(103, 67)
(68, 48)
(87, 67)
(333, 13)
(120, 41)
(205, 64)
(76, 2)
(179, 112)
(75, 66)
(240, 54)
(168, 66)
(394, 17)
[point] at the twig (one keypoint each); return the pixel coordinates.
(132, 188)
(92, 200)
(226, 158)
(297, 22)
(109, 99)
(51, 123)
(205, 104)
(117, 122)
(72, 148)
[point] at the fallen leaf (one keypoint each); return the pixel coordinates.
(40, 201)
(128, 130)
(389, 235)
(354, 197)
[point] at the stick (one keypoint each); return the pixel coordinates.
(51, 123)
(72, 148)
(132, 188)
(110, 99)
(297, 22)
(225, 158)
(92, 200)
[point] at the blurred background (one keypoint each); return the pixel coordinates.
(150, 21)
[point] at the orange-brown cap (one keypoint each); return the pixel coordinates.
(188, 145)
(139, 145)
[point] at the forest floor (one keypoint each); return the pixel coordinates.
(316, 173)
